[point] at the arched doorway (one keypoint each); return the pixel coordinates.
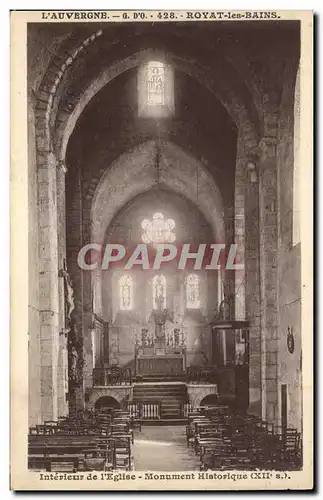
(210, 400)
(107, 403)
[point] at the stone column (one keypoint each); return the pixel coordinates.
(74, 244)
(87, 297)
(239, 230)
(61, 246)
(48, 284)
(229, 274)
(269, 275)
(247, 288)
(252, 277)
(34, 398)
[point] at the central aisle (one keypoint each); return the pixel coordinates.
(163, 448)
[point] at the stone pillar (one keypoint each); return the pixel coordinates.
(229, 274)
(269, 272)
(252, 277)
(34, 398)
(247, 287)
(74, 244)
(87, 297)
(48, 284)
(61, 246)
(239, 231)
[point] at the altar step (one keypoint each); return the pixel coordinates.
(165, 421)
(171, 397)
(164, 378)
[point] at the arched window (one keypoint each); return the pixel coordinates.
(126, 293)
(155, 90)
(296, 169)
(192, 291)
(155, 83)
(159, 292)
(158, 230)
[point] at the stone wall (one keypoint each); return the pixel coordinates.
(289, 268)
(280, 289)
(33, 279)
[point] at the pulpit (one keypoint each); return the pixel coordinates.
(160, 354)
(230, 356)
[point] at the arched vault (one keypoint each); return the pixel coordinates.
(135, 172)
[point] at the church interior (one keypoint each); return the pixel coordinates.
(156, 134)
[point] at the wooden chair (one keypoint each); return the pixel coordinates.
(98, 459)
(122, 452)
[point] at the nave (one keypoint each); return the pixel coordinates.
(164, 448)
(187, 140)
(114, 439)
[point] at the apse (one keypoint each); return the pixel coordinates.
(128, 298)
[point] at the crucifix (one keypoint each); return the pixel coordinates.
(159, 301)
(160, 317)
(68, 295)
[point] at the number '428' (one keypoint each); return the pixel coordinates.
(166, 15)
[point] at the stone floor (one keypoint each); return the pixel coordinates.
(163, 448)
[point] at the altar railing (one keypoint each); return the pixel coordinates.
(145, 410)
(186, 408)
(152, 410)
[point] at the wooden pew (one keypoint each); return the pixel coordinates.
(45, 450)
(75, 442)
(58, 463)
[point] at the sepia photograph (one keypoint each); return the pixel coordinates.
(164, 194)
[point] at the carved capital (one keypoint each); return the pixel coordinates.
(61, 165)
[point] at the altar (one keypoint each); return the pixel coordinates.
(157, 361)
(159, 353)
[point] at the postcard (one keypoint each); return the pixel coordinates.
(161, 250)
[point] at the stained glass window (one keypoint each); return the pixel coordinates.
(158, 230)
(159, 292)
(155, 90)
(126, 293)
(192, 291)
(156, 83)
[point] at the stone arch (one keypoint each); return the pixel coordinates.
(46, 95)
(61, 68)
(237, 57)
(233, 101)
(97, 393)
(131, 175)
(109, 402)
(183, 137)
(132, 172)
(230, 100)
(197, 396)
(209, 399)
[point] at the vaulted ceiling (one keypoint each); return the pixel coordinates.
(110, 126)
(222, 73)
